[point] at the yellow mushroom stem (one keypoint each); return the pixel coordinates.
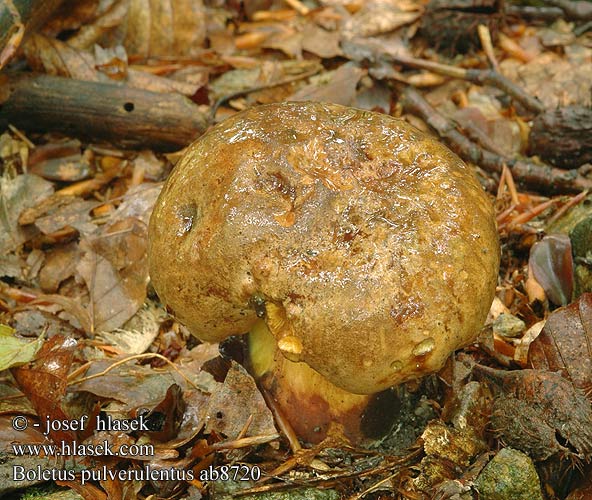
(311, 403)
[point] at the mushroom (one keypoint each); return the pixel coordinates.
(358, 251)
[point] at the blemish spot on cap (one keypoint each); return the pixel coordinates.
(424, 347)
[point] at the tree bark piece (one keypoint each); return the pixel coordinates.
(563, 136)
(116, 113)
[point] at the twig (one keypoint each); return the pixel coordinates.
(485, 38)
(298, 6)
(329, 479)
(529, 174)
(508, 181)
(531, 12)
(244, 442)
(131, 358)
(531, 213)
(574, 10)
(374, 487)
(571, 203)
(477, 76)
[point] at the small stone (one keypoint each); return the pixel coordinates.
(509, 476)
(508, 325)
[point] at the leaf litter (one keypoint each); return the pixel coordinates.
(73, 249)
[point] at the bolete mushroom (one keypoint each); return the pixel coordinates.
(359, 251)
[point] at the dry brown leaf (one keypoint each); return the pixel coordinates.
(16, 195)
(565, 344)
(321, 42)
(44, 382)
(540, 413)
(115, 270)
(231, 406)
(554, 79)
(107, 22)
(339, 89)
(380, 16)
(75, 212)
(164, 28)
(88, 491)
(60, 264)
(165, 419)
(78, 315)
(55, 57)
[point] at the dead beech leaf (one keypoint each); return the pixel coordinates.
(137, 385)
(556, 80)
(321, 42)
(138, 202)
(339, 89)
(115, 270)
(73, 308)
(165, 27)
(16, 351)
(380, 16)
(16, 195)
(55, 57)
(565, 344)
(60, 264)
(44, 382)
(231, 406)
(108, 21)
(74, 213)
(284, 38)
(87, 491)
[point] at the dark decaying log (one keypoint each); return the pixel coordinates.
(116, 113)
(563, 136)
(451, 25)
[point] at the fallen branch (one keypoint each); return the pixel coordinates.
(477, 76)
(115, 113)
(528, 174)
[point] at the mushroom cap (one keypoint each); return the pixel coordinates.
(371, 248)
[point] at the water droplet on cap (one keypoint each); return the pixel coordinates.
(396, 366)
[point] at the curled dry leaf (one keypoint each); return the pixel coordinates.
(551, 264)
(565, 344)
(380, 16)
(60, 264)
(164, 420)
(44, 382)
(76, 314)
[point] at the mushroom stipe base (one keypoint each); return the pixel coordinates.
(311, 403)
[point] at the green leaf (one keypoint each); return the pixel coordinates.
(16, 351)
